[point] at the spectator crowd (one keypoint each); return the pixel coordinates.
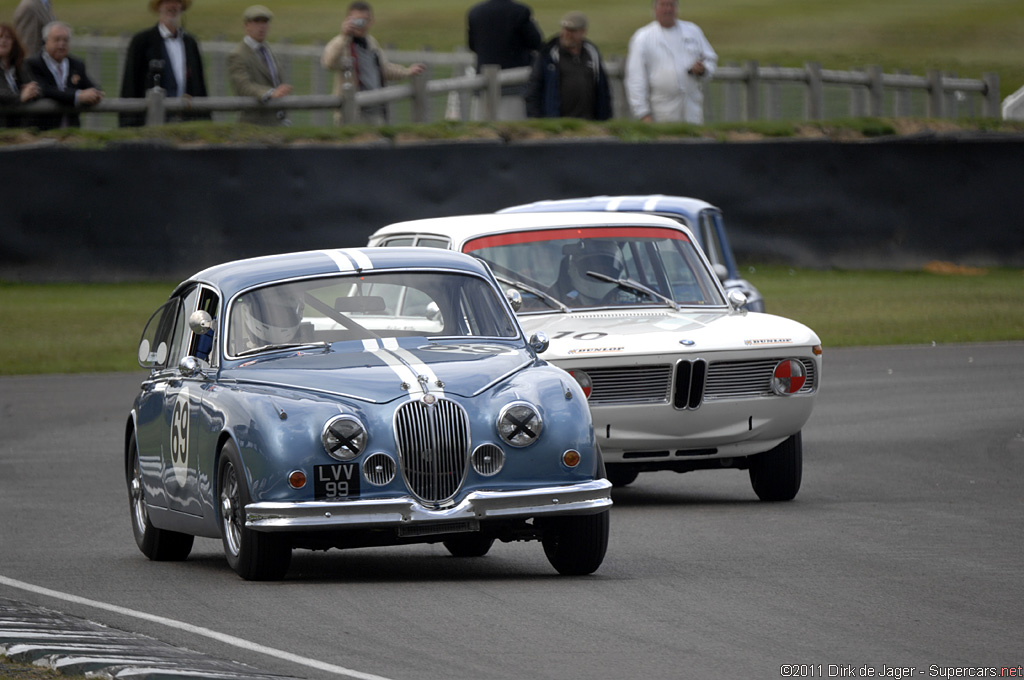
(667, 63)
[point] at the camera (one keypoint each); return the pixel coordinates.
(359, 23)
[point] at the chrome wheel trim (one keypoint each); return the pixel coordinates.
(229, 510)
(138, 498)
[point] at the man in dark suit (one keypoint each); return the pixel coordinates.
(61, 77)
(254, 70)
(503, 32)
(164, 56)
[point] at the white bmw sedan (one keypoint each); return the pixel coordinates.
(678, 375)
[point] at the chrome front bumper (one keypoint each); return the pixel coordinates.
(576, 499)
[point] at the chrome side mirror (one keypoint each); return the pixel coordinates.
(515, 299)
(737, 300)
(200, 322)
(190, 367)
(539, 342)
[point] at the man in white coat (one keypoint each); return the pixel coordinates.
(666, 62)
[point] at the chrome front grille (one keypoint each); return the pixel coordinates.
(433, 446)
(739, 379)
(630, 384)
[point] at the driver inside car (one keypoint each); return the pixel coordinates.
(579, 289)
(270, 316)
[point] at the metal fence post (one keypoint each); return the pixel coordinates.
(934, 108)
(753, 91)
(815, 98)
(349, 106)
(155, 110)
(492, 93)
(420, 99)
(876, 91)
(991, 106)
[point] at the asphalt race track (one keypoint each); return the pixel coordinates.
(902, 551)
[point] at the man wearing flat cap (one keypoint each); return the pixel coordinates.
(164, 56)
(568, 79)
(254, 70)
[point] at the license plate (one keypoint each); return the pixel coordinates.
(339, 480)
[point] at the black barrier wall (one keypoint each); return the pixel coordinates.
(155, 212)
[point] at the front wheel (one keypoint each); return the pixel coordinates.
(776, 474)
(254, 555)
(159, 545)
(576, 545)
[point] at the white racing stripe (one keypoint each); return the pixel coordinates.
(403, 372)
(405, 364)
(343, 262)
(359, 258)
(196, 630)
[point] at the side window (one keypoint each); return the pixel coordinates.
(157, 338)
(709, 237)
(202, 346)
(426, 242)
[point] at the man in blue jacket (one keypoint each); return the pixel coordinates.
(568, 78)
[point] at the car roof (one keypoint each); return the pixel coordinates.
(647, 203)
(232, 277)
(460, 228)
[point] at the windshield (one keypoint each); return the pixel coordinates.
(599, 267)
(366, 306)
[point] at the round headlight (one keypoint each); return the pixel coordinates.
(344, 437)
(788, 377)
(519, 424)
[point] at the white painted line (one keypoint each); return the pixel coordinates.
(195, 630)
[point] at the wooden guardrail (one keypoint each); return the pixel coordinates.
(744, 92)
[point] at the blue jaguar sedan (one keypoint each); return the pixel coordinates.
(354, 398)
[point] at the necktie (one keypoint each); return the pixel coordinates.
(60, 76)
(265, 53)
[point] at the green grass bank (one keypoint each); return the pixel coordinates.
(87, 328)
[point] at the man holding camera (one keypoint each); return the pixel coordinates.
(164, 56)
(360, 63)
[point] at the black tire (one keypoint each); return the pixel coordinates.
(254, 555)
(158, 545)
(469, 545)
(776, 474)
(621, 475)
(575, 546)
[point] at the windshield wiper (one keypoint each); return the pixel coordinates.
(283, 345)
(552, 301)
(630, 284)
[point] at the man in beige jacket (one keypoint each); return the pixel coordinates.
(254, 70)
(359, 62)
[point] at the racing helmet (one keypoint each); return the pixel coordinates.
(603, 257)
(272, 315)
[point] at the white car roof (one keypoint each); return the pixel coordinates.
(461, 228)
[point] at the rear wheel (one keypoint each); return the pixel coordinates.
(157, 544)
(776, 474)
(469, 545)
(254, 555)
(576, 545)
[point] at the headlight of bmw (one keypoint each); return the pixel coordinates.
(519, 424)
(344, 437)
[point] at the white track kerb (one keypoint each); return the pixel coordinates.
(189, 628)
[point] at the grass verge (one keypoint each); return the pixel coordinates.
(92, 328)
